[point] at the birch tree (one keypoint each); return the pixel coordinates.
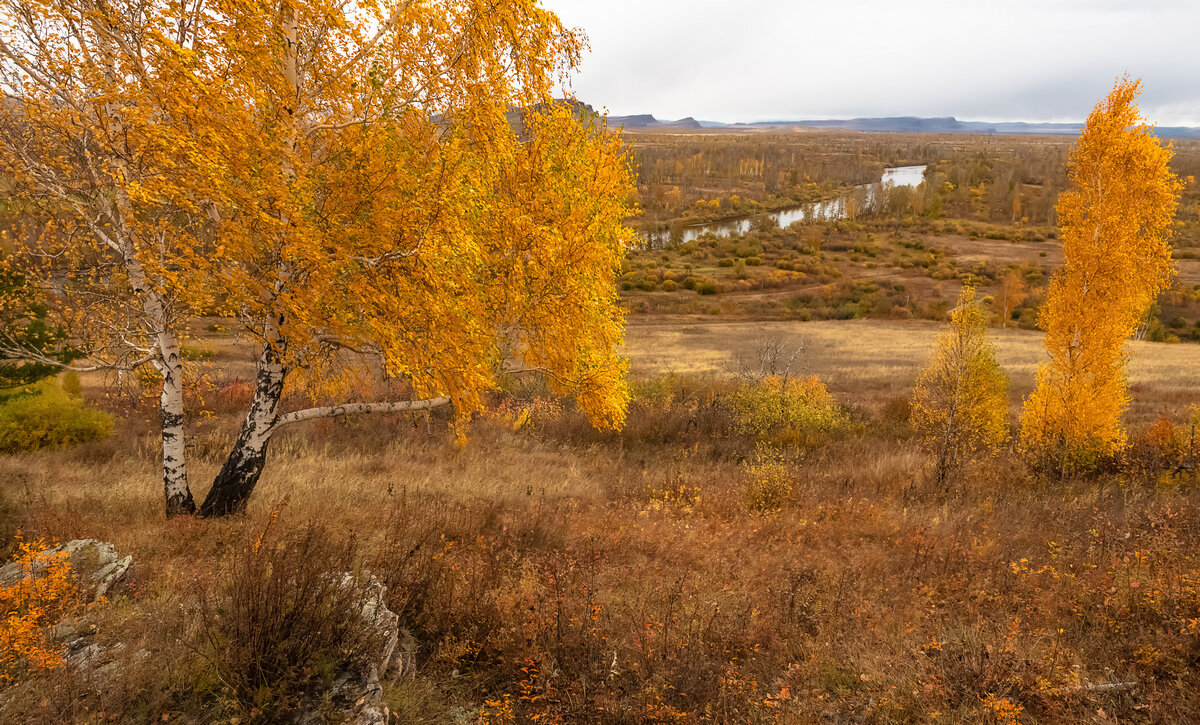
(1116, 220)
(354, 192)
(960, 403)
(1011, 294)
(89, 154)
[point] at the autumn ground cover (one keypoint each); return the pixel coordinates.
(548, 572)
(765, 540)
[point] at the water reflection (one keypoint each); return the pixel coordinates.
(862, 197)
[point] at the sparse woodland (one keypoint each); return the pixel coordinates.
(367, 277)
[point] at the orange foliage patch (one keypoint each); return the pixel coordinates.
(30, 607)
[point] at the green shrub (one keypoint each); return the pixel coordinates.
(668, 285)
(708, 287)
(850, 311)
(46, 416)
(189, 352)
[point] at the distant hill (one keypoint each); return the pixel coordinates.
(647, 121)
(890, 124)
(642, 122)
(894, 124)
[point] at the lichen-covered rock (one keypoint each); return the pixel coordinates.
(361, 692)
(96, 563)
(97, 567)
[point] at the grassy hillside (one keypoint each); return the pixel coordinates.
(731, 555)
(549, 572)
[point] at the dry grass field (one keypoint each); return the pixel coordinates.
(550, 573)
(871, 361)
(728, 556)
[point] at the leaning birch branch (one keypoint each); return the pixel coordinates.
(334, 411)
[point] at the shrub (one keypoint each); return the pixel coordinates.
(1157, 447)
(850, 311)
(767, 482)
(785, 409)
(46, 416)
(188, 352)
(668, 285)
(708, 287)
(283, 619)
(71, 384)
(895, 417)
(960, 403)
(30, 608)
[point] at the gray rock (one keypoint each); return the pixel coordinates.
(96, 563)
(96, 566)
(404, 658)
(361, 693)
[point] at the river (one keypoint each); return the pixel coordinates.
(866, 195)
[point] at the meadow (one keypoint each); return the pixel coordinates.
(548, 572)
(716, 560)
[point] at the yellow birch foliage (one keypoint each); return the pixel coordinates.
(1116, 222)
(784, 410)
(375, 193)
(341, 177)
(98, 166)
(960, 403)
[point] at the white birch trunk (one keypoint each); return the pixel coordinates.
(175, 478)
(169, 363)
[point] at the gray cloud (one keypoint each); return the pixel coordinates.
(1027, 60)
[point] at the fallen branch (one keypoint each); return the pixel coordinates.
(1097, 687)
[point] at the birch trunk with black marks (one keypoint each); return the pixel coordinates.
(237, 478)
(234, 484)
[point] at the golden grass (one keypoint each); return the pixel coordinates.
(872, 596)
(870, 360)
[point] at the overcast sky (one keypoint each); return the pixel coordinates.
(999, 60)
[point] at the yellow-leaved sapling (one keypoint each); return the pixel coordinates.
(960, 403)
